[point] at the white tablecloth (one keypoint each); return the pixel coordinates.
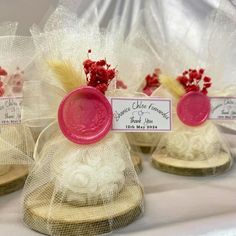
(174, 205)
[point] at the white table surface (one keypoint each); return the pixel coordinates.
(174, 205)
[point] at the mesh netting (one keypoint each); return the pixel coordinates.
(188, 150)
(16, 55)
(81, 190)
(8, 28)
(193, 150)
(78, 189)
(66, 37)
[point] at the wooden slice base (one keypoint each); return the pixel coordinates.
(211, 166)
(143, 149)
(66, 219)
(146, 150)
(137, 161)
(13, 180)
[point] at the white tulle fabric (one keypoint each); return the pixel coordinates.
(86, 182)
(191, 143)
(78, 175)
(66, 37)
(16, 142)
(215, 54)
(87, 174)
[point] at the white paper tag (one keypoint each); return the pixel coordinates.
(223, 108)
(141, 114)
(10, 110)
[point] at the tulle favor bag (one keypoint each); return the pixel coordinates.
(134, 61)
(193, 80)
(81, 189)
(16, 142)
(83, 181)
(64, 28)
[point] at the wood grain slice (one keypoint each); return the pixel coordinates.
(13, 180)
(66, 219)
(144, 149)
(212, 166)
(137, 161)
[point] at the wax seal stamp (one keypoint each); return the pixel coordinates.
(85, 115)
(194, 108)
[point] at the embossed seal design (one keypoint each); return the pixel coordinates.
(194, 108)
(85, 115)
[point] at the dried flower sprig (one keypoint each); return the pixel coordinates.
(66, 74)
(173, 86)
(3, 72)
(98, 73)
(192, 80)
(121, 85)
(11, 84)
(152, 82)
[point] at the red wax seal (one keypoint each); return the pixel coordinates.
(85, 115)
(194, 108)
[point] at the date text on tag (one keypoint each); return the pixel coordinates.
(141, 114)
(223, 108)
(10, 110)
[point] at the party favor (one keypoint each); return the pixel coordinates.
(83, 181)
(16, 142)
(197, 83)
(66, 37)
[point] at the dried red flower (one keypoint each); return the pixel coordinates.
(201, 71)
(204, 91)
(191, 81)
(2, 72)
(2, 91)
(87, 64)
(152, 82)
(102, 87)
(98, 74)
(120, 84)
(207, 79)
